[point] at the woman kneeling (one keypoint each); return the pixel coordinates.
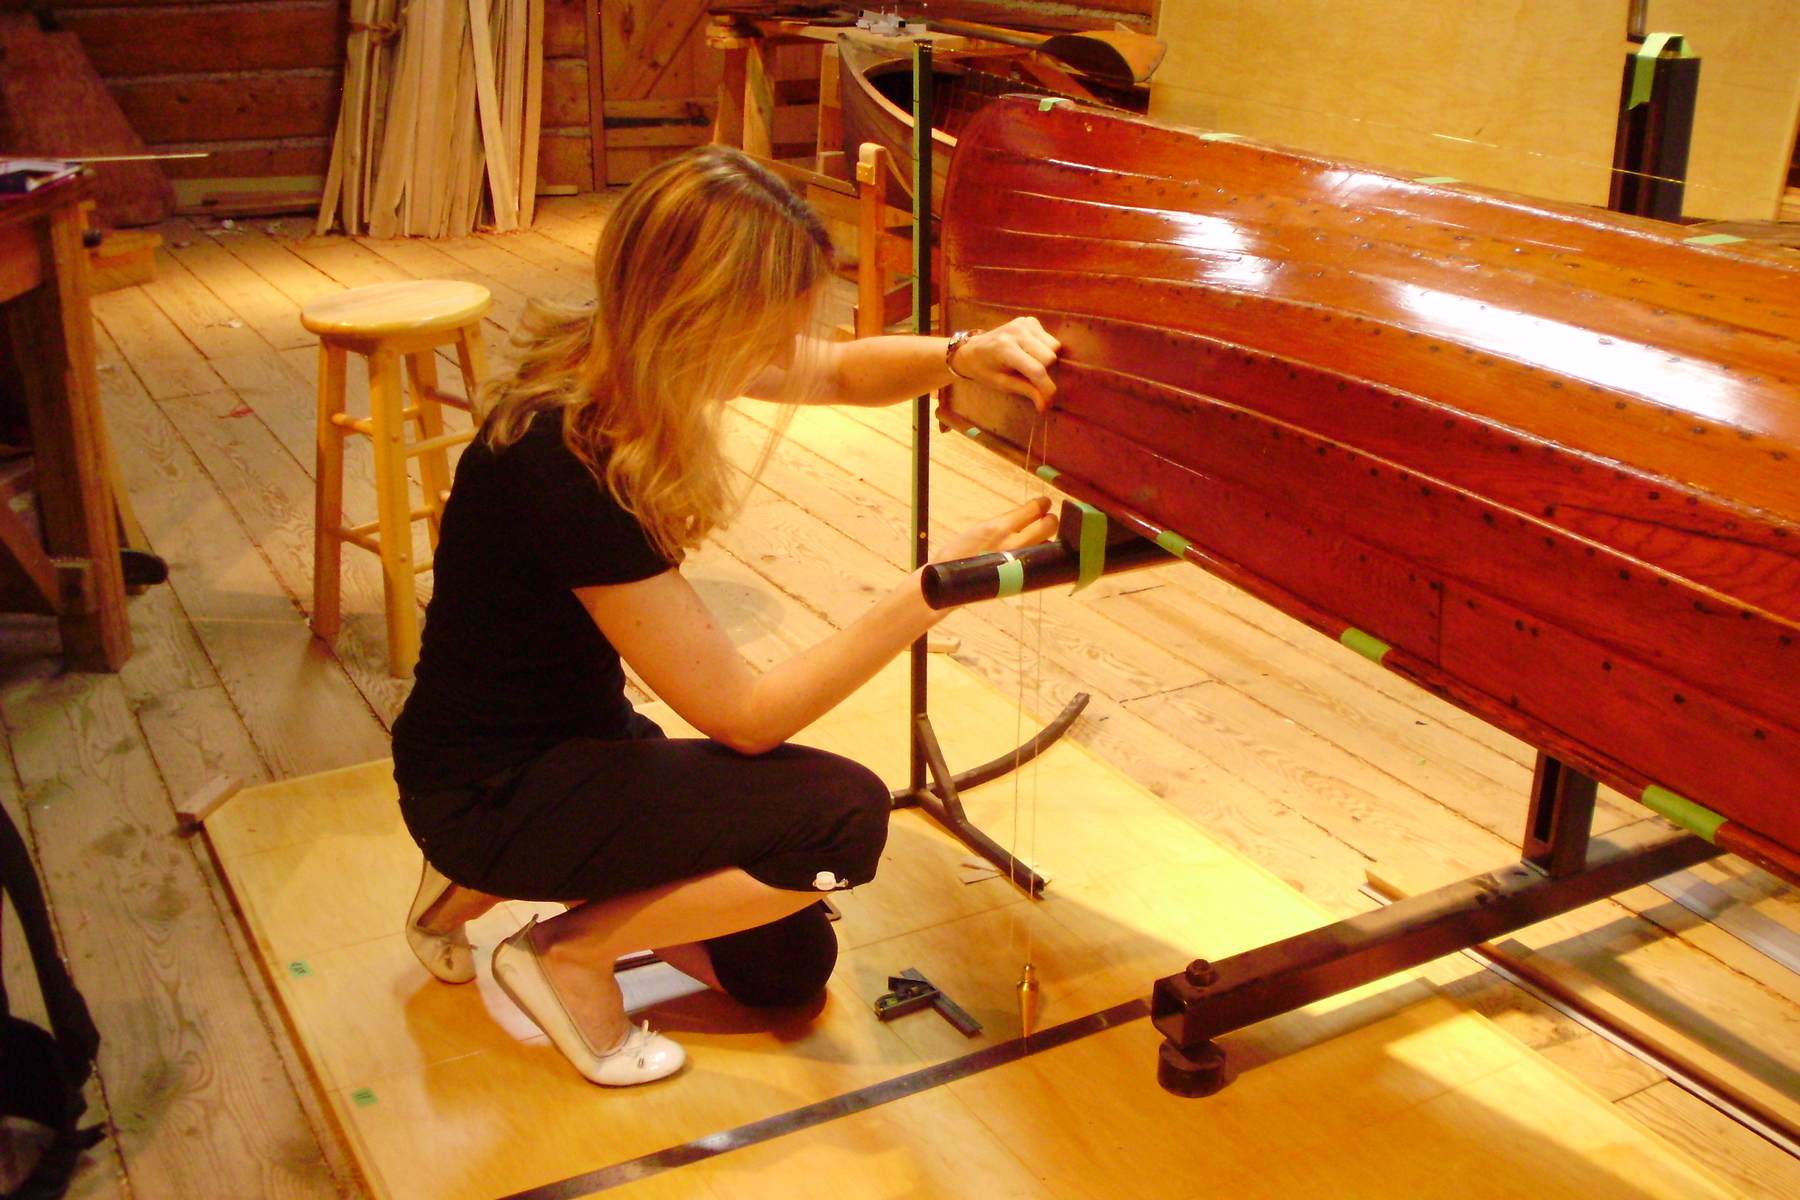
(524, 771)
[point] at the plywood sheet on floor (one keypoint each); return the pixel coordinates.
(449, 1092)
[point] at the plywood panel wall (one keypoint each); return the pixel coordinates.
(1461, 89)
(1744, 124)
(1517, 94)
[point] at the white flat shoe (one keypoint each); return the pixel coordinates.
(641, 1057)
(446, 955)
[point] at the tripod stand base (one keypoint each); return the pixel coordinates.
(942, 801)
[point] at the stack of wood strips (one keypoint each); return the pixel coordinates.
(438, 130)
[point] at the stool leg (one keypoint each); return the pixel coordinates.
(393, 494)
(471, 356)
(434, 465)
(328, 494)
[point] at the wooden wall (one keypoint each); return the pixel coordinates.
(661, 87)
(256, 83)
(1520, 94)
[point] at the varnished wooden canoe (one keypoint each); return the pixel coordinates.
(1542, 460)
(875, 86)
(876, 98)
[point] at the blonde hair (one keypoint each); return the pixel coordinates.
(705, 273)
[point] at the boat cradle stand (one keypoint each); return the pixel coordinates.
(1561, 868)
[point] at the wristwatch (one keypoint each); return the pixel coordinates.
(956, 343)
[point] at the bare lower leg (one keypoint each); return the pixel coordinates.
(579, 947)
(457, 906)
(693, 960)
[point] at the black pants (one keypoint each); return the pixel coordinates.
(591, 819)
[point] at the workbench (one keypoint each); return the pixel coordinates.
(67, 565)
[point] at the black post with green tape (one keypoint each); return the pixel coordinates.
(922, 108)
(1087, 546)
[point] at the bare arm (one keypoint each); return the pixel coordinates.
(885, 370)
(664, 630)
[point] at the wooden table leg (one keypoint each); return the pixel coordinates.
(828, 152)
(54, 331)
(728, 122)
(759, 102)
(871, 280)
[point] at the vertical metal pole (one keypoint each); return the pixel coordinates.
(921, 447)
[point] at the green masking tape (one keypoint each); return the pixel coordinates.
(1093, 545)
(1050, 102)
(363, 1097)
(973, 432)
(1011, 575)
(1173, 542)
(1713, 239)
(1437, 179)
(1365, 644)
(1684, 812)
(1220, 137)
(1643, 66)
(1048, 473)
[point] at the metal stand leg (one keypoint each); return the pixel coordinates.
(942, 802)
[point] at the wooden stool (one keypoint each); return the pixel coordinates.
(388, 323)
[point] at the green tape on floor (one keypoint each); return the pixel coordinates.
(1437, 179)
(1093, 545)
(1365, 644)
(298, 969)
(1173, 542)
(1012, 578)
(971, 431)
(1221, 137)
(1048, 473)
(1684, 812)
(362, 1097)
(1713, 239)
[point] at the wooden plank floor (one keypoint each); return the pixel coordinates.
(1294, 753)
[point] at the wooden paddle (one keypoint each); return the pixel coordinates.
(1115, 56)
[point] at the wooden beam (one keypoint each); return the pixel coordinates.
(596, 66)
(534, 112)
(828, 149)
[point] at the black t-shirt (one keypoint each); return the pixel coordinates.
(511, 663)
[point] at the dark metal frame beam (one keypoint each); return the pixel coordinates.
(1562, 870)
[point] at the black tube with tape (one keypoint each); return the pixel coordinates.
(1009, 573)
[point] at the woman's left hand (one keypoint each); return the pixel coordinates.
(1015, 357)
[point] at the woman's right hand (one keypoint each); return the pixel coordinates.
(1026, 525)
